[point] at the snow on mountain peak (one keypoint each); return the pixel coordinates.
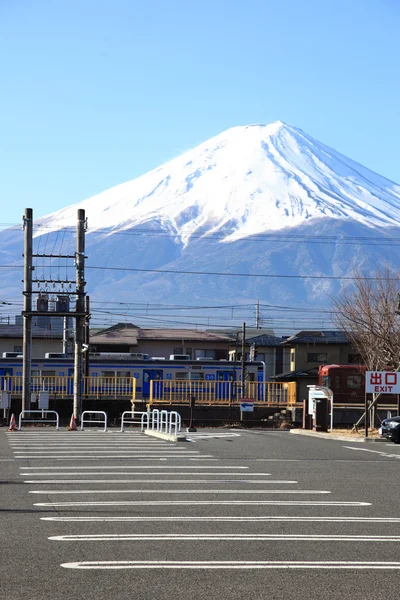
(247, 180)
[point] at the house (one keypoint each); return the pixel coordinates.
(266, 348)
(46, 338)
(310, 349)
(313, 348)
(127, 337)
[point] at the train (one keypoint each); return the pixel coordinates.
(141, 367)
(347, 383)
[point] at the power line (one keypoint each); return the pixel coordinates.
(275, 237)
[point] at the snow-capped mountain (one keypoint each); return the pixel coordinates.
(247, 180)
(206, 210)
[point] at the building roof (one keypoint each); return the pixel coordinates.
(265, 340)
(127, 333)
(317, 337)
(300, 374)
(187, 335)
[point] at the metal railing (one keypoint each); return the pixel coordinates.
(279, 394)
(163, 421)
(132, 417)
(91, 420)
(63, 386)
(42, 420)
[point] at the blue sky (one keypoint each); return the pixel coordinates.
(95, 92)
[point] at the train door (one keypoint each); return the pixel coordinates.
(5, 381)
(225, 386)
(150, 375)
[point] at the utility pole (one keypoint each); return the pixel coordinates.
(244, 360)
(86, 338)
(258, 315)
(62, 304)
(79, 310)
(27, 314)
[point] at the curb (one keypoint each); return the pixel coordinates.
(330, 436)
(165, 436)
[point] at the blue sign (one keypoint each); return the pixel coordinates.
(136, 375)
(61, 373)
(169, 376)
(247, 406)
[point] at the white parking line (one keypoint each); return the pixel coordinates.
(114, 467)
(132, 564)
(59, 492)
(258, 481)
(125, 455)
(373, 451)
(266, 519)
(139, 474)
(229, 537)
(67, 447)
(195, 503)
(73, 450)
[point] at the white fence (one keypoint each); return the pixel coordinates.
(132, 417)
(44, 414)
(102, 421)
(163, 421)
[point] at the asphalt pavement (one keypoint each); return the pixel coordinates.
(232, 514)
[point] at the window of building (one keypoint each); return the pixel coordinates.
(178, 350)
(204, 354)
(17, 349)
(316, 357)
(354, 359)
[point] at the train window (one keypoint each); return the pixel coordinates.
(48, 373)
(337, 382)
(250, 376)
(196, 376)
(354, 382)
(108, 373)
(182, 376)
(326, 381)
(123, 373)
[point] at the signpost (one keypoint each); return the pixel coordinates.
(380, 382)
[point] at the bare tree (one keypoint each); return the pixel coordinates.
(368, 312)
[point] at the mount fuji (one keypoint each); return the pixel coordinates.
(254, 200)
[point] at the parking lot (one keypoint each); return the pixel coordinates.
(231, 513)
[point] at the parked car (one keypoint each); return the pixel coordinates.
(390, 429)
